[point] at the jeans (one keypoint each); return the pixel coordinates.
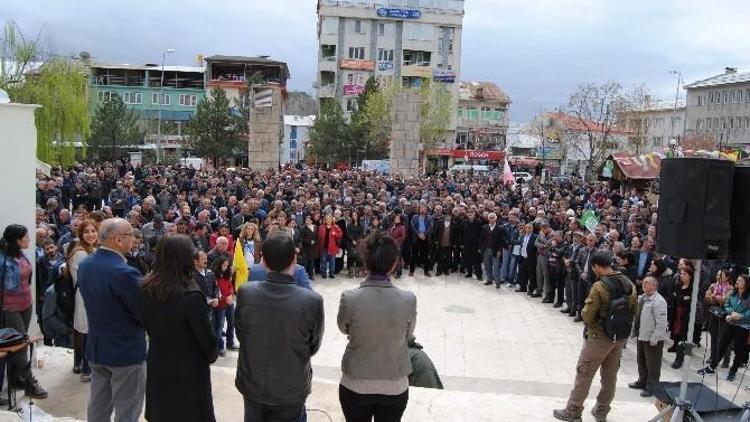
(220, 315)
(327, 263)
(256, 411)
(363, 407)
(490, 262)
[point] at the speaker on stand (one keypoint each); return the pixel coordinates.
(739, 243)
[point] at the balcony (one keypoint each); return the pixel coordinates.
(327, 91)
(327, 63)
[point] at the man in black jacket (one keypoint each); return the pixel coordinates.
(471, 231)
(280, 327)
(491, 241)
(527, 264)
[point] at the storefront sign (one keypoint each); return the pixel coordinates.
(387, 12)
(444, 76)
(385, 66)
(418, 71)
(353, 89)
(471, 154)
(357, 64)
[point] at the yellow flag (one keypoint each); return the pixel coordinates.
(239, 264)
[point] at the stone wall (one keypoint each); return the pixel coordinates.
(405, 146)
(266, 129)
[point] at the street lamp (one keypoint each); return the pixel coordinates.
(161, 101)
(676, 97)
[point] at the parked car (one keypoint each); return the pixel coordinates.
(466, 168)
(522, 176)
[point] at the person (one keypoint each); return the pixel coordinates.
(509, 259)
(116, 344)
(585, 274)
(44, 269)
(81, 248)
(378, 318)
(490, 242)
(205, 279)
(737, 313)
(280, 327)
(423, 372)
(354, 234)
(626, 264)
(527, 263)
(421, 233)
(543, 243)
(681, 320)
(224, 311)
(221, 248)
(181, 340)
(249, 243)
(16, 272)
(308, 236)
(715, 299)
(471, 230)
(650, 331)
(329, 236)
(57, 311)
(397, 232)
(598, 351)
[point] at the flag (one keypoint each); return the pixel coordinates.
(241, 272)
(508, 178)
(589, 220)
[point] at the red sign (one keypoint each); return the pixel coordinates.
(471, 154)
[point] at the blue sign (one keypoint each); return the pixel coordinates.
(382, 66)
(446, 79)
(386, 12)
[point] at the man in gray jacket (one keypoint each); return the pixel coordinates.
(280, 327)
(650, 328)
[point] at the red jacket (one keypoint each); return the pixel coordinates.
(226, 287)
(334, 237)
(398, 234)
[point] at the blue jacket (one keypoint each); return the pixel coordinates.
(109, 287)
(415, 227)
(10, 271)
(258, 273)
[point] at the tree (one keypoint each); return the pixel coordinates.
(113, 127)
(59, 86)
(330, 133)
(436, 113)
(217, 129)
(370, 124)
(17, 55)
(637, 103)
(595, 109)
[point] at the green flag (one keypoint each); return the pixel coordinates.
(589, 220)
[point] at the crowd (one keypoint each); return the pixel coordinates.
(527, 237)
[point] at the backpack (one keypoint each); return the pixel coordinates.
(618, 320)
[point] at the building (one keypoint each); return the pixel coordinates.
(146, 89)
(482, 116)
(407, 41)
(718, 109)
(296, 138)
(232, 73)
(652, 128)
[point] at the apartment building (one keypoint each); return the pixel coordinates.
(718, 108)
(406, 41)
(296, 138)
(652, 128)
(482, 116)
(147, 89)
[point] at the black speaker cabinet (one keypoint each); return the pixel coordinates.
(739, 244)
(694, 207)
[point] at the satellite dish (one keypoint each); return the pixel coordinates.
(84, 56)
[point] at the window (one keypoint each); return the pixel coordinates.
(418, 31)
(700, 100)
(472, 114)
(486, 113)
(723, 123)
(747, 122)
(293, 144)
(132, 98)
(357, 53)
(739, 123)
(359, 28)
(657, 141)
(711, 97)
(351, 104)
(460, 112)
(105, 95)
(386, 29)
(699, 124)
(716, 123)
(747, 95)
(739, 95)
(731, 122)
(385, 55)
(419, 58)
(708, 123)
(293, 132)
(498, 114)
(330, 26)
(164, 101)
(726, 97)
(188, 100)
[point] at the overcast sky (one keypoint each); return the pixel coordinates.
(536, 50)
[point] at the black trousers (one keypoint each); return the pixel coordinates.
(527, 273)
(444, 259)
(716, 328)
(456, 262)
(363, 407)
(558, 281)
(420, 256)
(261, 412)
(472, 262)
(570, 290)
(734, 335)
(649, 363)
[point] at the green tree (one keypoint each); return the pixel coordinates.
(59, 86)
(436, 113)
(17, 55)
(369, 140)
(113, 127)
(330, 133)
(216, 131)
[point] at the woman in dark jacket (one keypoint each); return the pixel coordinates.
(397, 232)
(309, 252)
(626, 265)
(354, 232)
(679, 326)
(181, 341)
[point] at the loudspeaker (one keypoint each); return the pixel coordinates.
(739, 244)
(694, 207)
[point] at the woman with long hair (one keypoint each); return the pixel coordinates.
(182, 344)
(309, 252)
(329, 236)
(249, 243)
(715, 299)
(224, 311)
(374, 380)
(738, 312)
(354, 232)
(397, 232)
(15, 272)
(85, 244)
(681, 320)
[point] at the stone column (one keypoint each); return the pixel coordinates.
(266, 127)
(405, 119)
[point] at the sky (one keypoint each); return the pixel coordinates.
(538, 51)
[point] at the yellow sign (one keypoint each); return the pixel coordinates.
(358, 64)
(419, 71)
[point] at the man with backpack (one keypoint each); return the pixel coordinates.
(608, 314)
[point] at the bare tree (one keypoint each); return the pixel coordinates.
(635, 116)
(18, 54)
(595, 109)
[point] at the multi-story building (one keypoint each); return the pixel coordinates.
(718, 109)
(296, 138)
(231, 73)
(146, 89)
(482, 116)
(407, 41)
(654, 127)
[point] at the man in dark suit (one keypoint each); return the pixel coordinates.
(585, 274)
(206, 280)
(116, 343)
(491, 241)
(645, 256)
(421, 230)
(527, 265)
(471, 230)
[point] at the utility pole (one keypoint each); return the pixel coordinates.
(161, 102)
(676, 98)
